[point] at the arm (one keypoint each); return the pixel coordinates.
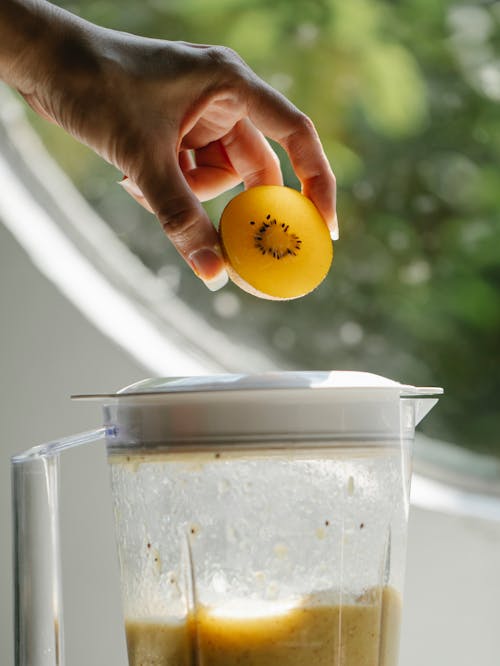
(20, 27)
(184, 122)
(33, 34)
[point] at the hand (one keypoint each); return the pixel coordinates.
(183, 122)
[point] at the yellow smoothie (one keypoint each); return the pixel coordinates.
(364, 633)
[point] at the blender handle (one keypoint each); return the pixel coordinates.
(38, 638)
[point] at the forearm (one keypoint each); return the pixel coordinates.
(33, 34)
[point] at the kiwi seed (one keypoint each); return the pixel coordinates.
(273, 238)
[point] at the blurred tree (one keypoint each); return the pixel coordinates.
(405, 97)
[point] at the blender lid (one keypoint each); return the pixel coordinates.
(289, 380)
(285, 406)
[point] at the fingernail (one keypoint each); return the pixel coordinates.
(208, 265)
(219, 281)
(133, 190)
(130, 186)
(334, 229)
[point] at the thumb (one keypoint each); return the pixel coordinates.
(167, 194)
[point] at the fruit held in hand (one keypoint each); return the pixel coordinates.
(275, 242)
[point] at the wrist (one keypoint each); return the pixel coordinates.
(24, 36)
(39, 41)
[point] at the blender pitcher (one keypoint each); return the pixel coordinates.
(260, 519)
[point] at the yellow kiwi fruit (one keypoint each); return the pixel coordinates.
(275, 243)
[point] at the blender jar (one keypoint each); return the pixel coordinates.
(263, 520)
(260, 519)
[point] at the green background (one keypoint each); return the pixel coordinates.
(405, 97)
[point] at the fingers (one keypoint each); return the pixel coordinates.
(209, 172)
(243, 154)
(251, 156)
(184, 220)
(280, 120)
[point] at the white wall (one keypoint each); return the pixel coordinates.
(451, 613)
(49, 351)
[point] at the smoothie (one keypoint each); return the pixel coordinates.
(362, 633)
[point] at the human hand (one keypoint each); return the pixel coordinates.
(183, 122)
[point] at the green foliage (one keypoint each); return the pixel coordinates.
(405, 97)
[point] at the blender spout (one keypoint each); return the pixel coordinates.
(422, 407)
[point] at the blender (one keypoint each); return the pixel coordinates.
(258, 519)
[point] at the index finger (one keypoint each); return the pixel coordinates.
(281, 121)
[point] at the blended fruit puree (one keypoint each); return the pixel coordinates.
(361, 634)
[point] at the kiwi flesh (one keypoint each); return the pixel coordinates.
(275, 242)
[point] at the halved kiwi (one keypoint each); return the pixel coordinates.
(275, 242)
